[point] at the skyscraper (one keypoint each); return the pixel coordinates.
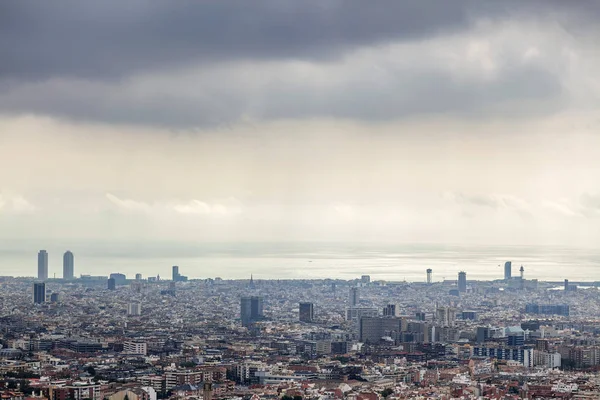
(68, 265)
(507, 270)
(111, 284)
(251, 309)
(39, 292)
(429, 272)
(306, 313)
(354, 297)
(43, 265)
(175, 273)
(462, 281)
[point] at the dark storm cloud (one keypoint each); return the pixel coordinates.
(110, 38)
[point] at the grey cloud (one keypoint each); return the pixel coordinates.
(222, 98)
(109, 38)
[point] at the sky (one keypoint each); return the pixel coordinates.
(465, 122)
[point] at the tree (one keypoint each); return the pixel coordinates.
(386, 392)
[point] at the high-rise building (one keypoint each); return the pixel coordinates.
(134, 308)
(372, 329)
(251, 309)
(54, 298)
(365, 279)
(175, 272)
(68, 265)
(462, 281)
(39, 292)
(507, 270)
(306, 312)
(111, 284)
(138, 277)
(446, 316)
(120, 279)
(566, 285)
(354, 297)
(391, 310)
(429, 273)
(42, 265)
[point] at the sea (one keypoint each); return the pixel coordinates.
(389, 262)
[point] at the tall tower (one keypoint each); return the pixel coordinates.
(39, 292)
(251, 309)
(354, 297)
(566, 285)
(306, 312)
(43, 265)
(429, 272)
(462, 281)
(507, 270)
(175, 273)
(522, 271)
(68, 265)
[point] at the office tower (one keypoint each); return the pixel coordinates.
(134, 308)
(365, 279)
(566, 285)
(507, 270)
(462, 281)
(54, 297)
(484, 333)
(429, 272)
(39, 292)
(138, 277)
(372, 329)
(446, 316)
(251, 309)
(120, 279)
(111, 285)
(420, 316)
(43, 265)
(391, 310)
(306, 312)
(68, 265)
(175, 272)
(354, 298)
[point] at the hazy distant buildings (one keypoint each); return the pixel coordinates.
(54, 298)
(68, 265)
(39, 292)
(111, 284)
(429, 277)
(306, 312)
(507, 270)
(251, 309)
(138, 277)
(548, 309)
(365, 279)
(120, 279)
(176, 276)
(462, 281)
(42, 265)
(354, 296)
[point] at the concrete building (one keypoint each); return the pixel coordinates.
(251, 309)
(68, 265)
(135, 347)
(134, 308)
(306, 312)
(507, 270)
(354, 296)
(39, 292)
(42, 265)
(462, 282)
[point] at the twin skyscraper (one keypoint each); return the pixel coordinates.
(68, 265)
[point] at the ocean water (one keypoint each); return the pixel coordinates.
(307, 260)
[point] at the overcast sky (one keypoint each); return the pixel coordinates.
(316, 120)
